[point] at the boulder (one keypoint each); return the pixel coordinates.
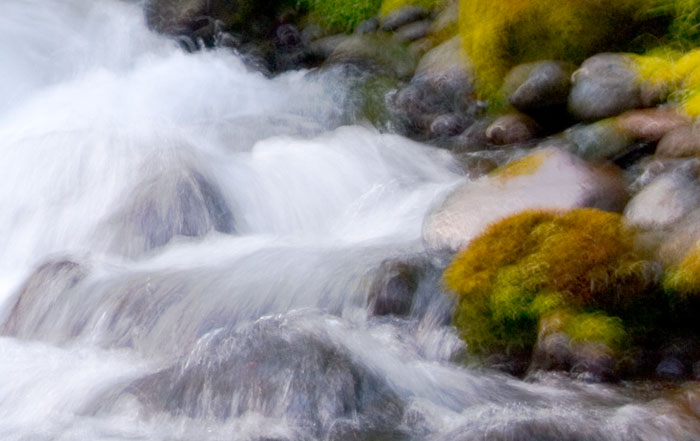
(179, 201)
(605, 85)
(680, 142)
(547, 178)
(381, 54)
(402, 16)
(539, 88)
(666, 200)
(413, 31)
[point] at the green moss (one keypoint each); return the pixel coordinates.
(392, 5)
(526, 266)
(683, 280)
(340, 15)
(596, 327)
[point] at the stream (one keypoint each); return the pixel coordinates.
(187, 247)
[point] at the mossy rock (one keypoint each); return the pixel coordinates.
(529, 265)
(499, 35)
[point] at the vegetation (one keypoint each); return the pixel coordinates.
(683, 280)
(392, 5)
(340, 15)
(536, 263)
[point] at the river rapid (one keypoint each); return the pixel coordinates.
(186, 249)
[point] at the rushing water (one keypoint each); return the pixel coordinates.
(187, 247)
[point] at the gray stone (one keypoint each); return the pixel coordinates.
(413, 31)
(402, 16)
(605, 85)
(448, 124)
(324, 47)
(536, 87)
(381, 54)
(597, 141)
(368, 26)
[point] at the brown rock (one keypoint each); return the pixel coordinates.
(650, 124)
(682, 141)
(512, 128)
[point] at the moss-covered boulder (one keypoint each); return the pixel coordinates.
(580, 267)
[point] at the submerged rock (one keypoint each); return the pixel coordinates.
(393, 288)
(547, 178)
(284, 367)
(180, 201)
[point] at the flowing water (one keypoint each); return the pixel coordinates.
(187, 247)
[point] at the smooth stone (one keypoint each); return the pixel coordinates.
(605, 85)
(681, 142)
(511, 129)
(684, 235)
(323, 47)
(650, 124)
(547, 178)
(447, 124)
(540, 86)
(597, 141)
(672, 368)
(382, 54)
(368, 26)
(402, 16)
(413, 31)
(663, 202)
(415, 108)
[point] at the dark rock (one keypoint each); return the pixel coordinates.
(511, 129)
(598, 141)
(415, 108)
(605, 85)
(671, 368)
(403, 16)
(368, 26)
(39, 293)
(393, 288)
(540, 88)
(287, 35)
(681, 142)
(413, 31)
(180, 201)
(448, 124)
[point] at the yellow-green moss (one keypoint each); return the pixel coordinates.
(596, 327)
(683, 279)
(499, 35)
(527, 165)
(530, 264)
(339, 15)
(392, 5)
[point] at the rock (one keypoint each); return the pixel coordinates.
(650, 168)
(447, 71)
(381, 54)
(598, 141)
(322, 48)
(402, 16)
(605, 85)
(179, 201)
(284, 367)
(511, 129)
(368, 26)
(680, 142)
(448, 124)
(446, 23)
(415, 108)
(671, 368)
(548, 178)
(666, 200)
(393, 288)
(540, 88)
(649, 124)
(593, 362)
(413, 31)
(39, 293)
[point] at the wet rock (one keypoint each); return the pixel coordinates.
(605, 85)
(665, 201)
(448, 124)
(649, 124)
(682, 237)
(447, 72)
(511, 129)
(285, 367)
(415, 108)
(180, 201)
(368, 26)
(393, 288)
(381, 54)
(547, 178)
(322, 48)
(681, 142)
(39, 293)
(671, 368)
(402, 16)
(413, 31)
(540, 88)
(598, 141)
